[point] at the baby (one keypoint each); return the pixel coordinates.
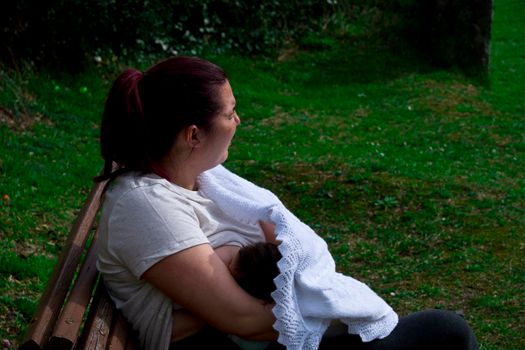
(254, 266)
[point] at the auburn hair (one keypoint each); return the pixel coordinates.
(145, 111)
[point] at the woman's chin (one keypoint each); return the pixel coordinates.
(222, 159)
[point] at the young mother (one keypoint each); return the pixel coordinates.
(162, 128)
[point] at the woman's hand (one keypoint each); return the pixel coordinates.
(268, 229)
(198, 280)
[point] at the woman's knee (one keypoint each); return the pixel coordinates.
(449, 326)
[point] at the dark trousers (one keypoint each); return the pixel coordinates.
(428, 330)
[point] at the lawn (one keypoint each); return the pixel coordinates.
(413, 175)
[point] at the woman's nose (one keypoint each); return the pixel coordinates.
(237, 119)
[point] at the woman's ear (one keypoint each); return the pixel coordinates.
(193, 135)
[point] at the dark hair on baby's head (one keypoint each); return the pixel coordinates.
(144, 112)
(256, 269)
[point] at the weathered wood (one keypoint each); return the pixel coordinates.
(98, 325)
(60, 325)
(68, 325)
(58, 286)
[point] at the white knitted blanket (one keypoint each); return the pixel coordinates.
(310, 293)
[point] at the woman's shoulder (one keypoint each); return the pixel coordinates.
(136, 190)
(139, 200)
(134, 184)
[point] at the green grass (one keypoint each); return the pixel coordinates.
(414, 176)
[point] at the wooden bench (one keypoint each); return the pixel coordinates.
(75, 310)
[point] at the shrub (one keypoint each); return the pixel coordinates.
(66, 32)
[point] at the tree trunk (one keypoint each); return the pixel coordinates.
(454, 32)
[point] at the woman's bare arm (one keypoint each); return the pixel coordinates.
(185, 324)
(201, 283)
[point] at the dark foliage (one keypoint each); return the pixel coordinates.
(67, 32)
(445, 32)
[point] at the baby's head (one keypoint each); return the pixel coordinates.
(255, 267)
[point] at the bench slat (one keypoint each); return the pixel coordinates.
(58, 286)
(98, 325)
(67, 327)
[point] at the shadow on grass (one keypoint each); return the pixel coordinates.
(368, 62)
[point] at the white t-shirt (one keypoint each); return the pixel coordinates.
(144, 219)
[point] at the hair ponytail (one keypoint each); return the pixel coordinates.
(121, 123)
(130, 79)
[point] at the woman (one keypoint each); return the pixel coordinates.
(163, 128)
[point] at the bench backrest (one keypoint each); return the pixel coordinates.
(75, 309)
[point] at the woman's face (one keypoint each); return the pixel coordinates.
(224, 125)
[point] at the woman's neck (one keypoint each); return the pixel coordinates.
(187, 181)
(183, 174)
